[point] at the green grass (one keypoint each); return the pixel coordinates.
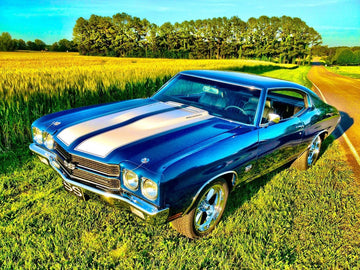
(348, 71)
(288, 219)
(297, 75)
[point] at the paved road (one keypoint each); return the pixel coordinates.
(344, 94)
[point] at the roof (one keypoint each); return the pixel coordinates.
(244, 79)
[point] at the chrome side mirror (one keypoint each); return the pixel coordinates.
(273, 118)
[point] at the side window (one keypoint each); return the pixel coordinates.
(284, 102)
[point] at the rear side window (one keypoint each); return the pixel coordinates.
(284, 102)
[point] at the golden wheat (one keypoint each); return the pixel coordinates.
(45, 72)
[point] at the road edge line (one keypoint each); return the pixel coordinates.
(346, 138)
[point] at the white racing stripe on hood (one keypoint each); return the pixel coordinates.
(103, 144)
(70, 134)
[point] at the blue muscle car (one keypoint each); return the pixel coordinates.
(175, 156)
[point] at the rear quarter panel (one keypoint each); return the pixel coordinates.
(320, 118)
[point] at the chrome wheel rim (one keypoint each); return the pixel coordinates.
(314, 151)
(209, 208)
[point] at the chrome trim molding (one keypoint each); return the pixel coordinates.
(308, 102)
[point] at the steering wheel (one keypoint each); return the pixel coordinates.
(235, 107)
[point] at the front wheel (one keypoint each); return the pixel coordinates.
(309, 157)
(206, 212)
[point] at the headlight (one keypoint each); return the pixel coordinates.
(149, 188)
(37, 135)
(48, 140)
(130, 179)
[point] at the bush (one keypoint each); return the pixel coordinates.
(357, 57)
(345, 57)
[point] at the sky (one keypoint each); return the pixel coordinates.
(337, 21)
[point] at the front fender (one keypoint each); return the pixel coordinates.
(186, 177)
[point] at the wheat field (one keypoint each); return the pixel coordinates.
(23, 72)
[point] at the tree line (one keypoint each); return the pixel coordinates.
(9, 44)
(284, 39)
(338, 55)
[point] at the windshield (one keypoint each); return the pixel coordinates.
(221, 99)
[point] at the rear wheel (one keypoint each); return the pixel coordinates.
(206, 212)
(309, 157)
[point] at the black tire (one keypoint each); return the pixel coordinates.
(206, 212)
(309, 157)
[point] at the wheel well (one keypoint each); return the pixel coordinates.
(230, 178)
(323, 135)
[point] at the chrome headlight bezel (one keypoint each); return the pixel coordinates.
(130, 180)
(149, 189)
(48, 140)
(37, 135)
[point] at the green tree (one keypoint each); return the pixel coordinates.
(20, 44)
(55, 47)
(64, 45)
(345, 57)
(37, 45)
(40, 45)
(31, 45)
(357, 57)
(81, 35)
(6, 42)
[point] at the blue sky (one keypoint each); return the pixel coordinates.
(338, 21)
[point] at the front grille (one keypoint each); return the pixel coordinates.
(107, 169)
(89, 170)
(112, 183)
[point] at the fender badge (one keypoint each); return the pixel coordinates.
(145, 160)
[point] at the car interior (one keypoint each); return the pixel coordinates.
(285, 103)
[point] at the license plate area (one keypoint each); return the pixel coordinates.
(78, 192)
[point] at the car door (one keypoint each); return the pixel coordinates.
(280, 141)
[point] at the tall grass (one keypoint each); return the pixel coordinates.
(35, 84)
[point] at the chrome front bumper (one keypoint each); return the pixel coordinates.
(139, 207)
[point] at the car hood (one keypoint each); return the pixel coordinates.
(137, 131)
